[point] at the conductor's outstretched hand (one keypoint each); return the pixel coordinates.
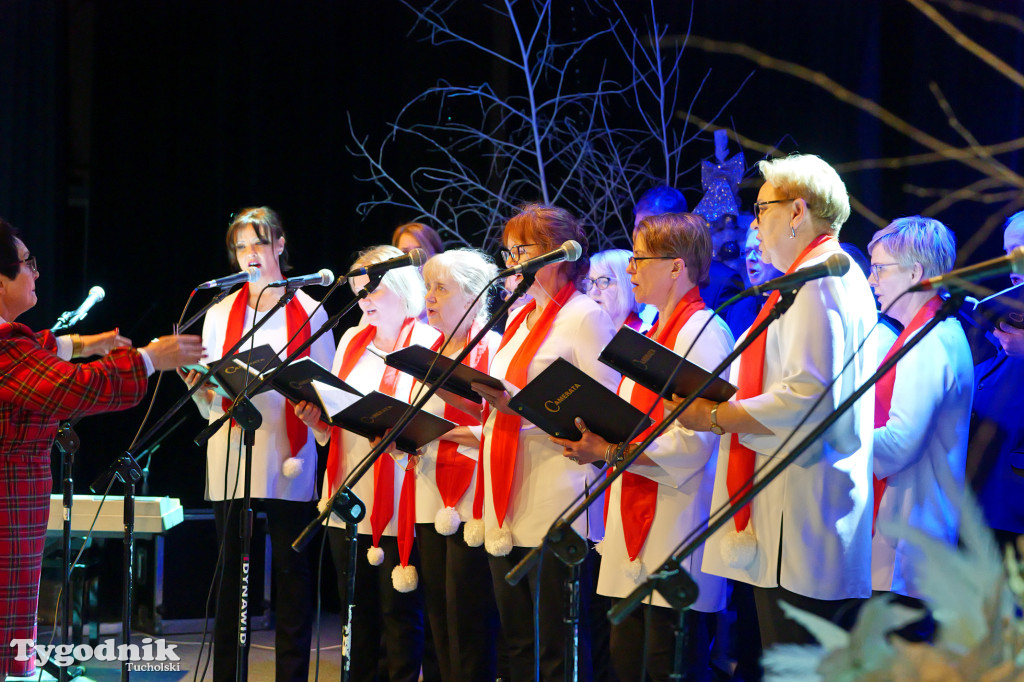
(171, 352)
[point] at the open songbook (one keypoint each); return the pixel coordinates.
(652, 365)
(1006, 306)
(563, 392)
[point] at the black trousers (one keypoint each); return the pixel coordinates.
(380, 612)
(459, 597)
(293, 583)
(516, 606)
(652, 629)
(777, 628)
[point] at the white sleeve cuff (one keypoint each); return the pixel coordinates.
(149, 363)
(64, 347)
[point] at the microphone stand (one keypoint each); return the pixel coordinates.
(68, 443)
(350, 508)
(670, 576)
(566, 544)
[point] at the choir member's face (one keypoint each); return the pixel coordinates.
(651, 278)
(251, 251)
(407, 242)
(757, 270)
(889, 279)
(382, 308)
(610, 298)
(1013, 236)
(445, 301)
(773, 222)
(19, 294)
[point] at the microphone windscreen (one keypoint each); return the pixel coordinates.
(327, 277)
(418, 257)
(838, 264)
(254, 273)
(97, 293)
(572, 249)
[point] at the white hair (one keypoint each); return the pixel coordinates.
(808, 177)
(471, 270)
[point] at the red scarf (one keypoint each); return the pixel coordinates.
(740, 475)
(454, 472)
(505, 435)
(884, 387)
(295, 321)
(639, 495)
(633, 321)
(384, 468)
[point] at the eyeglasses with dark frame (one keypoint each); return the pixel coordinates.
(758, 205)
(600, 283)
(30, 262)
(518, 250)
(634, 259)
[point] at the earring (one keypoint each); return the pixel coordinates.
(792, 232)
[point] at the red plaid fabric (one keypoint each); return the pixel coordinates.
(37, 390)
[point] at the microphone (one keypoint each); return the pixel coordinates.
(955, 279)
(96, 295)
(415, 257)
(248, 275)
(568, 251)
(324, 278)
(836, 265)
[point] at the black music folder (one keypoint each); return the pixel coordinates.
(651, 364)
(304, 379)
(415, 360)
(373, 414)
(563, 392)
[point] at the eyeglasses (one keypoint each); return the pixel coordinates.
(758, 205)
(30, 262)
(634, 259)
(600, 283)
(514, 253)
(876, 268)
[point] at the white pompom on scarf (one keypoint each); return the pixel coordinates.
(473, 532)
(498, 541)
(292, 467)
(375, 555)
(634, 570)
(739, 548)
(447, 521)
(404, 578)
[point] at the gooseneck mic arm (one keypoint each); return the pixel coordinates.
(671, 569)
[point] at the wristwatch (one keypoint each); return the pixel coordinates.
(715, 428)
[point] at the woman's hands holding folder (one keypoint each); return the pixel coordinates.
(203, 398)
(310, 416)
(589, 449)
(497, 399)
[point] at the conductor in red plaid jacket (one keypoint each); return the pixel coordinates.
(38, 388)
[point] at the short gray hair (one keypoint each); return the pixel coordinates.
(407, 282)
(918, 240)
(471, 269)
(808, 177)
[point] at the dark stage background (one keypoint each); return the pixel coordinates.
(130, 131)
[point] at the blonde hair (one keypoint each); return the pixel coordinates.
(808, 177)
(406, 282)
